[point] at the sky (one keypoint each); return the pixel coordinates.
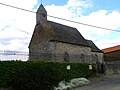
(17, 26)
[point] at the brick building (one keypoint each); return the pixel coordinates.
(57, 42)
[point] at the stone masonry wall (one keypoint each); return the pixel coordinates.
(40, 52)
(112, 67)
(69, 52)
(97, 57)
(58, 51)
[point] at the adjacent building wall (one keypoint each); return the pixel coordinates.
(112, 67)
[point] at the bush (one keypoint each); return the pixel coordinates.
(39, 75)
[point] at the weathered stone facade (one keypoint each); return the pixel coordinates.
(71, 52)
(57, 51)
(97, 57)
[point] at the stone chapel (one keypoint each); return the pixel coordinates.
(52, 41)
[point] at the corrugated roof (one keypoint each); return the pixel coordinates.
(111, 49)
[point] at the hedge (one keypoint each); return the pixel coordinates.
(39, 75)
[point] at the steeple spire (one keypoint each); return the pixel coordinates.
(41, 15)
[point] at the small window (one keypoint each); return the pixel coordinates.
(43, 15)
(82, 57)
(96, 57)
(66, 57)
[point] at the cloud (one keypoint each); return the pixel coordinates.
(12, 21)
(101, 18)
(105, 43)
(13, 40)
(72, 9)
(26, 4)
(78, 6)
(75, 9)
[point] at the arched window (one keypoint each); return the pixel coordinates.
(66, 57)
(82, 57)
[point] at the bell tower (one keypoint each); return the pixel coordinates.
(41, 15)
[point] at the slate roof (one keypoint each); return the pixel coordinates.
(94, 48)
(67, 34)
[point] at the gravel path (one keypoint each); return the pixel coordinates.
(103, 83)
